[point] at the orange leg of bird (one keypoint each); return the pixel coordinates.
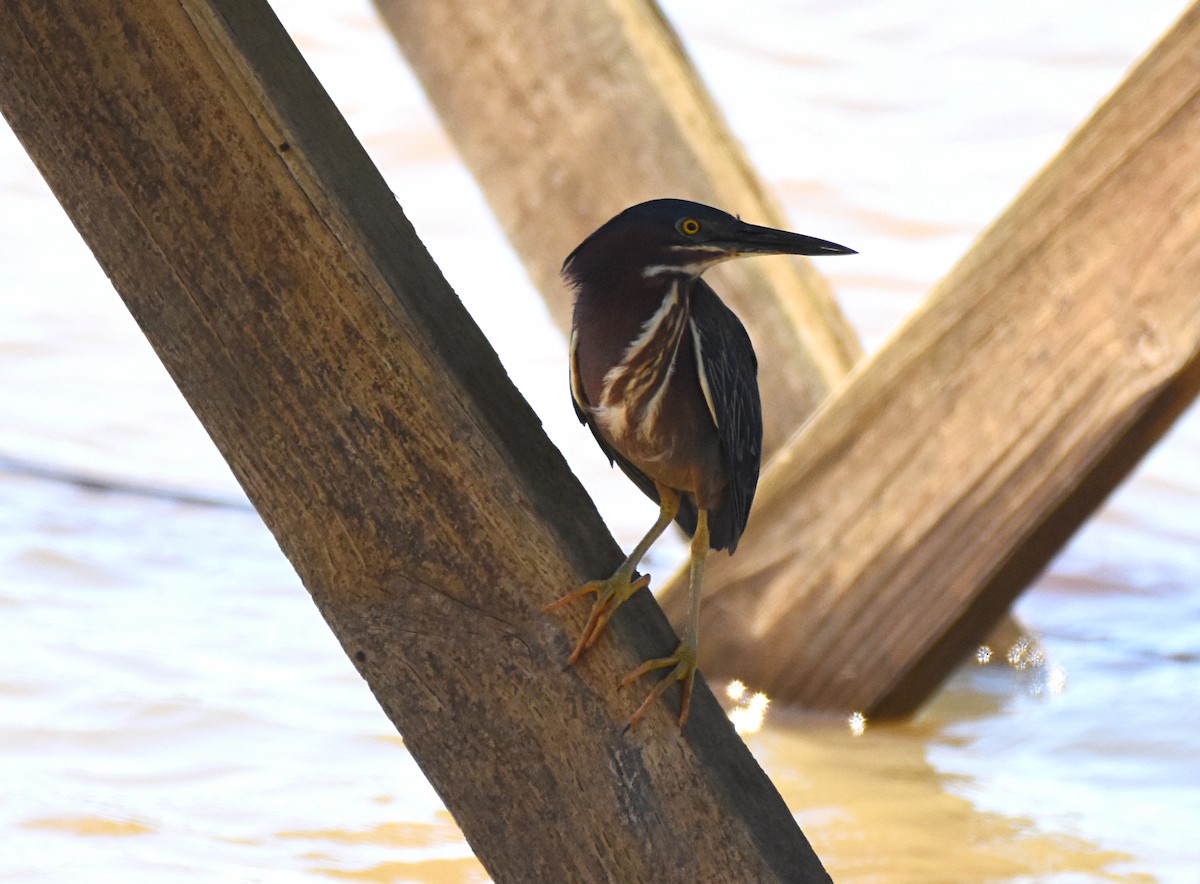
(683, 662)
(613, 592)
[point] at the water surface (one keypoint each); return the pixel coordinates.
(172, 707)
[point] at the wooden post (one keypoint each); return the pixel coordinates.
(567, 111)
(375, 431)
(921, 500)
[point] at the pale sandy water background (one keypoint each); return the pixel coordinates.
(172, 707)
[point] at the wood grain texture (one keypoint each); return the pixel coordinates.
(376, 433)
(902, 521)
(568, 112)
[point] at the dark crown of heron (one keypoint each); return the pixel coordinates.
(666, 236)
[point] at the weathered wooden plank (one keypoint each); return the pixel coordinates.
(902, 521)
(372, 426)
(568, 111)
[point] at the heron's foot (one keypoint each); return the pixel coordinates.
(683, 663)
(610, 595)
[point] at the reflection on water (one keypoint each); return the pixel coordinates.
(747, 710)
(898, 818)
(173, 708)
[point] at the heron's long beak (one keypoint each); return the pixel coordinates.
(750, 239)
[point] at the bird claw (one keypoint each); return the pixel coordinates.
(611, 594)
(684, 663)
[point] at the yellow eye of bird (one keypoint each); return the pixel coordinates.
(690, 226)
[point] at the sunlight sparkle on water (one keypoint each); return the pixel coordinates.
(1055, 681)
(749, 710)
(858, 723)
(1025, 655)
(1039, 674)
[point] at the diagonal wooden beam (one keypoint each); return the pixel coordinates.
(375, 431)
(567, 111)
(914, 507)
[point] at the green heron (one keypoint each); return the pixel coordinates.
(664, 375)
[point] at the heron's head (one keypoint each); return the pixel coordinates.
(670, 237)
